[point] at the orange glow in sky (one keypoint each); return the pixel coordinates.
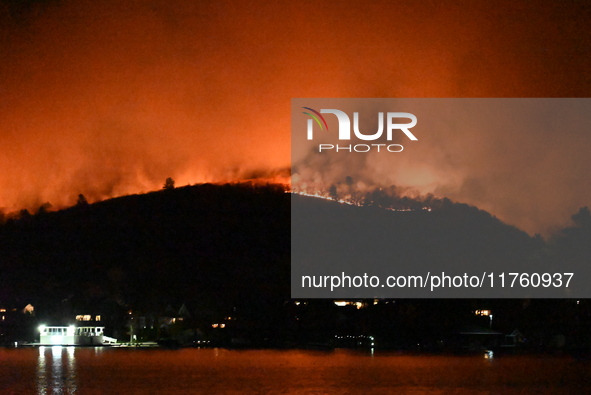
(110, 98)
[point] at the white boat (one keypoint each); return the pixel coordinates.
(74, 336)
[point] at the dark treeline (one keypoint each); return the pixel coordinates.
(211, 247)
(223, 252)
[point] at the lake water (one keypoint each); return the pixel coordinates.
(65, 370)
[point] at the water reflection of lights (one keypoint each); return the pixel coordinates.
(41, 377)
(56, 374)
(488, 354)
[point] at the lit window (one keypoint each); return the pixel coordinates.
(2, 310)
(342, 303)
(97, 318)
(483, 313)
(29, 309)
(79, 317)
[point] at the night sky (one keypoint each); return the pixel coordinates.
(110, 98)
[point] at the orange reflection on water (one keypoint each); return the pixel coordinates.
(86, 370)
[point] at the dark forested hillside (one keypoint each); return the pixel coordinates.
(198, 243)
(225, 249)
